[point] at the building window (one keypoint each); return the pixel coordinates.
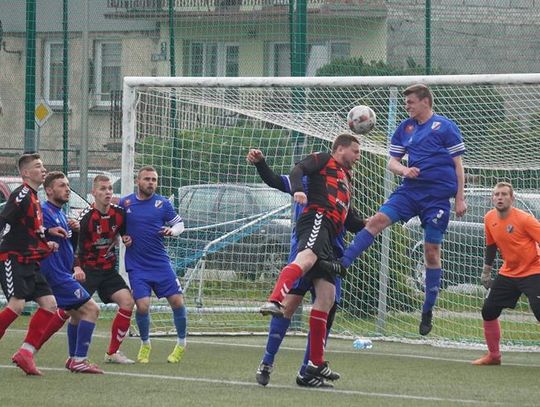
(108, 70)
(319, 54)
(53, 85)
(213, 59)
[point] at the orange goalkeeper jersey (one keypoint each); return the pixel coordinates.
(517, 238)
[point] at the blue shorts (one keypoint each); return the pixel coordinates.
(303, 285)
(162, 284)
(405, 203)
(70, 294)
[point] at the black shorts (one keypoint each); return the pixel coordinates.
(505, 292)
(316, 232)
(105, 282)
(22, 281)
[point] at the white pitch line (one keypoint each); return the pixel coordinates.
(367, 352)
(278, 386)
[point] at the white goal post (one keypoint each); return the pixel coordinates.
(197, 132)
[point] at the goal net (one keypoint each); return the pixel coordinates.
(197, 131)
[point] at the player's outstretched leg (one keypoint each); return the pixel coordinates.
(286, 279)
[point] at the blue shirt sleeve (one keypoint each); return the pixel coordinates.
(453, 141)
(396, 144)
(169, 214)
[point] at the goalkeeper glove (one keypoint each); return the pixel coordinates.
(485, 278)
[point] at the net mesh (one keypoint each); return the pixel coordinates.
(238, 230)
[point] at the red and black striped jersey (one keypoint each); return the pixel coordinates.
(97, 237)
(328, 187)
(21, 226)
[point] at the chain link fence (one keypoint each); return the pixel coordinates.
(69, 58)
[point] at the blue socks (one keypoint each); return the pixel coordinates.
(84, 337)
(180, 322)
(72, 339)
(360, 243)
(143, 323)
(278, 329)
(433, 284)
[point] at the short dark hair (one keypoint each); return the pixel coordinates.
(100, 178)
(146, 168)
(27, 158)
(344, 140)
(504, 185)
(421, 91)
(51, 177)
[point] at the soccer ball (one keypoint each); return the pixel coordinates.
(361, 119)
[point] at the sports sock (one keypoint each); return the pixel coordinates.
(84, 338)
(7, 316)
(492, 333)
(180, 323)
(433, 283)
(72, 338)
(329, 323)
(317, 331)
(287, 277)
(57, 321)
(143, 323)
(119, 329)
(276, 333)
(360, 243)
(37, 326)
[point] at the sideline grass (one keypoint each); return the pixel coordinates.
(219, 371)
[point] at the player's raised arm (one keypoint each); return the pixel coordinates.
(269, 177)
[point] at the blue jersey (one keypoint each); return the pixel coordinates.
(57, 268)
(144, 221)
(431, 147)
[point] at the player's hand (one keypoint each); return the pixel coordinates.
(410, 172)
(79, 274)
(74, 224)
(126, 239)
(53, 246)
(166, 231)
(485, 278)
(58, 231)
(254, 156)
(460, 207)
(300, 198)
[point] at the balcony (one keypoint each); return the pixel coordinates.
(158, 9)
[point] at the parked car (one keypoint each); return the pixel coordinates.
(76, 202)
(464, 243)
(234, 222)
(76, 185)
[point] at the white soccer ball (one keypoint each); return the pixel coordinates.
(361, 119)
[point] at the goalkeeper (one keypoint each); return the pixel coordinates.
(516, 235)
(279, 326)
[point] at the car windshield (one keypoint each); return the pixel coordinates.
(270, 199)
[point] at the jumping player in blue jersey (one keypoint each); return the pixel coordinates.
(57, 270)
(434, 174)
(278, 326)
(149, 218)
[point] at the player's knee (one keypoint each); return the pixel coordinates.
(490, 313)
(16, 305)
(90, 311)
